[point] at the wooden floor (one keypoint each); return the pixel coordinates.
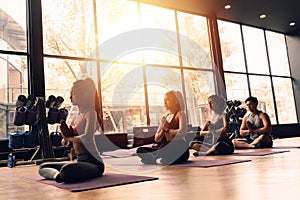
(265, 177)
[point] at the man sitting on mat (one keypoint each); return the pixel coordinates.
(255, 129)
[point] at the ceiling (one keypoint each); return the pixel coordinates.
(279, 12)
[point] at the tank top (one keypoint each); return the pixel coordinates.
(257, 123)
(216, 121)
(172, 124)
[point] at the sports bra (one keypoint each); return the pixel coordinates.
(79, 125)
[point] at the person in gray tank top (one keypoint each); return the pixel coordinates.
(255, 129)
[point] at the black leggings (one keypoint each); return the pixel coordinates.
(223, 145)
(86, 167)
(173, 152)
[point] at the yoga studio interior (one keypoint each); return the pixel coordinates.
(135, 51)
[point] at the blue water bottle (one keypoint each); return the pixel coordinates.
(11, 161)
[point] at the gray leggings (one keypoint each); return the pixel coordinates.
(86, 167)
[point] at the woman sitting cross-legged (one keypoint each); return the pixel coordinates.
(82, 134)
(216, 126)
(170, 145)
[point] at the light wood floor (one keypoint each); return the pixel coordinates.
(265, 177)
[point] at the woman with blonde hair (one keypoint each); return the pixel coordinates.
(170, 145)
(216, 126)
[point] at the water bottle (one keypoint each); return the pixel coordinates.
(11, 161)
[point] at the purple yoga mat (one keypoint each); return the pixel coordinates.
(192, 163)
(107, 180)
(209, 163)
(285, 147)
(120, 153)
(258, 153)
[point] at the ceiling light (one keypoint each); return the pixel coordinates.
(292, 23)
(262, 16)
(228, 6)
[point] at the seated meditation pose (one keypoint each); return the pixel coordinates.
(82, 136)
(170, 145)
(216, 127)
(255, 129)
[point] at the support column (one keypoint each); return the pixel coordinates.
(216, 55)
(36, 72)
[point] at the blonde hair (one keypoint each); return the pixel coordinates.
(220, 101)
(177, 100)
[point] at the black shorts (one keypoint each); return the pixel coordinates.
(261, 144)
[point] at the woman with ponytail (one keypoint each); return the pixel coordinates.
(82, 134)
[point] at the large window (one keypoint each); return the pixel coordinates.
(136, 52)
(256, 63)
(13, 61)
(137, 55)
(255, 50)
(232, 47)
(68, 28)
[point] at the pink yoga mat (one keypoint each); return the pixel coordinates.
(107, 180)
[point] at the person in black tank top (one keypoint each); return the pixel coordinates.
(170, 145)
(255, 129)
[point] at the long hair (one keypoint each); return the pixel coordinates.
(90, 97)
